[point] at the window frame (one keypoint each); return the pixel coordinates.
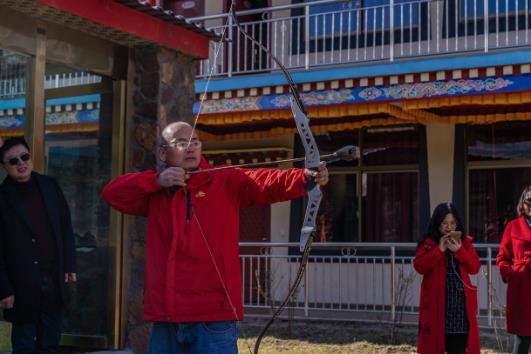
(297, 213)
(367, 36)
(483, 165)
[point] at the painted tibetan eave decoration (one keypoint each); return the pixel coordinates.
(461, 101)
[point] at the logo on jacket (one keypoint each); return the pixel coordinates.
(200, 194)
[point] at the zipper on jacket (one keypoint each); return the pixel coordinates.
(188, 211)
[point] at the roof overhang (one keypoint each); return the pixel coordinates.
(125, 24)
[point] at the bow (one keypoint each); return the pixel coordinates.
(311, 161)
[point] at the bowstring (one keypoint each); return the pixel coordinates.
(203, 96)
(225, 289)
(298, 101)
(201, 231)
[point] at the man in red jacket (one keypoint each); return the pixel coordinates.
(192, 284)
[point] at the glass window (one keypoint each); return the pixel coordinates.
(338, 18)
(13, 75)
(375, 199)
(469, 8)
(390, 202)
(499, 169)
(337, 220)
(391, 146)
(493, 194)
(332, 142)
(499, 141)
(78, 155)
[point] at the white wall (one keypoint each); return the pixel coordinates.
(440, 148)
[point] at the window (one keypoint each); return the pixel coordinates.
(499, 167)
(467, 17)
(371, 14)
(363, 23)
(374, 199)
(78, 150)
(14, 71)
(471, 8)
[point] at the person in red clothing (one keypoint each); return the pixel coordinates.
(192, 281)
(448, 300)
(514, 262)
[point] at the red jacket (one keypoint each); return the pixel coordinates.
(514, 261)
(181, 283)
(431, 263)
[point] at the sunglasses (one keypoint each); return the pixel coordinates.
(527, 201)
(14, 161)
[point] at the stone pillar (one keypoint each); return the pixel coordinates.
(163, 93)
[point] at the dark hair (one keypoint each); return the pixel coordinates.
(440, 212)
(520, 206)
(11, 142)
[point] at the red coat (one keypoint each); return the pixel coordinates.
(431, 263)
(181, 283)
(514, 261)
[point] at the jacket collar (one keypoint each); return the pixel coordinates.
(200, 179)
(522, 231)
(47, 192)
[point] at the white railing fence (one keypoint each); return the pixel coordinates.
(13, 81)
(362, 281)
(331, 32)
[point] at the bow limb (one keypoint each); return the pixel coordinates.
(312, 161)
(289, 79)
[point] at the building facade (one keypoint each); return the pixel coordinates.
(90, 84)
(435, 93)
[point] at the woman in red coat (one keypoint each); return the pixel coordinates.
(448, 300)
(514, 261)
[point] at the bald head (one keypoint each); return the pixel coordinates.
(180, 146)
(173, 130)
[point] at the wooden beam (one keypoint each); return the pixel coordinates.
(35, 106)
(126, 19)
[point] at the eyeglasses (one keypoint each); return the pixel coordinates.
(14, 161)
(183, 145)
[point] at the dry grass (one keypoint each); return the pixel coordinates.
(318, 337)
(302, 337)
(5, 336)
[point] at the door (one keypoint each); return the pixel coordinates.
(78, 154)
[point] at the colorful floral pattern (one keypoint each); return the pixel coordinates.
(229, 105)
(438, 88)
(12, 121)
(316, 98)
(368, 94)
(72, 117)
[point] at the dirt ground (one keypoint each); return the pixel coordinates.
(318, 337)
(326, 337)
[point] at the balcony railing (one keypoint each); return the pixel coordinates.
(361, 281)
(14, 85)
(334, 32)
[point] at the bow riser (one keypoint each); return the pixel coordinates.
(308, 226)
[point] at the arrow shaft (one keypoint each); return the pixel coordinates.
(257, 164)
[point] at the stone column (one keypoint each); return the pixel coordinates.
(163, 93)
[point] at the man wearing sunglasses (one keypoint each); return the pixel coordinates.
(37, 252)
(192, 279)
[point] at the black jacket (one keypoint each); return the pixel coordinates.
(19, 268)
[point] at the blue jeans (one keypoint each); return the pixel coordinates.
(194, 338)
(42, 336)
